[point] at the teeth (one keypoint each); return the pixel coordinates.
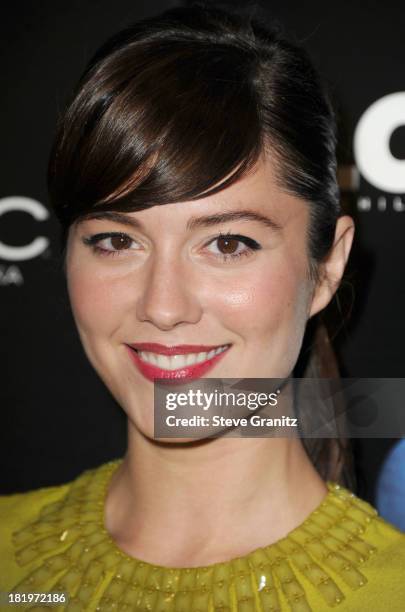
(174, 362)
(189, 358)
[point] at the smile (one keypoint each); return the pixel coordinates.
(175, 363)
(178, 361)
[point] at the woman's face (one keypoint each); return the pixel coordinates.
(166, 276)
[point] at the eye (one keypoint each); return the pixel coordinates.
(110, 243)
(231, 246)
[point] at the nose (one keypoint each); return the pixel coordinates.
(169, 294)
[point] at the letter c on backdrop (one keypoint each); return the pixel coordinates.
(36, 210)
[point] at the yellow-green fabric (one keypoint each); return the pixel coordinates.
(343, 556)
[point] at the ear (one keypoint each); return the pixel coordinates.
(332, 268)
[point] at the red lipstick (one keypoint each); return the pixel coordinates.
(185, 373)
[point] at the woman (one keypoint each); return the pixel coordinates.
(194, 175)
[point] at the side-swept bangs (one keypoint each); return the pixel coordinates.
(155, 122)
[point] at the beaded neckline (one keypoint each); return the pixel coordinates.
(70, 549)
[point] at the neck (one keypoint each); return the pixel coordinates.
(204, 502)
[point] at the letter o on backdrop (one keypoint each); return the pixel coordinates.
(372, 143)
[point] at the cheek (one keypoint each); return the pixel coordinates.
(270, 300)
(97, 299)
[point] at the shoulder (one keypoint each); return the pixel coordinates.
(390, 546)
(384, 567)
(16, 511)
(25, 516)
(360, 555)
(384, 537)
(20, 506)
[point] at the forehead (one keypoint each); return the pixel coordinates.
(258, 197)
(259, 193)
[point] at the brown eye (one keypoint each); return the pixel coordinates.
(110, 243)
(227, 246)
(120, 243)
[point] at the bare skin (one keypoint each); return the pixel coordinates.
(230, 497)
(193, 503)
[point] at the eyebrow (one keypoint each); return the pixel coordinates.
(193, 222)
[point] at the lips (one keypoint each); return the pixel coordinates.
(159, 361)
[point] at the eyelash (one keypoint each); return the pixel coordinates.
(92, 242)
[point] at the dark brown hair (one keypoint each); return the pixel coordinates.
(180, 106)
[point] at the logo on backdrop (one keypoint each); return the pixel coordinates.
(10, 272)
(374, 158)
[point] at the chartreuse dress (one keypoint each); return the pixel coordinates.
(343, 556)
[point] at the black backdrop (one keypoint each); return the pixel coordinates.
(57, 418)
